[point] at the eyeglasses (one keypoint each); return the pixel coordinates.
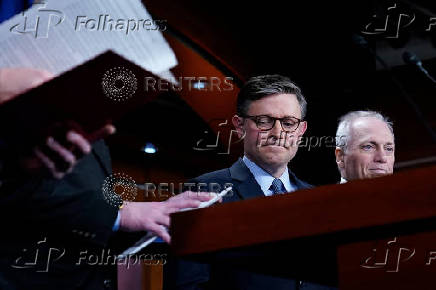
(265, 122)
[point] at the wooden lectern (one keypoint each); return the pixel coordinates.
(366, 234)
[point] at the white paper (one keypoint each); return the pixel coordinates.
(58, 35)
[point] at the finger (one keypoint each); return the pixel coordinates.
(79, 141)
(185, 203)
(165, 236)
(48, 163)
(105, 131)
(163, 219)
(201, 196)
(65, 154)
(59, 163)
(160, 231)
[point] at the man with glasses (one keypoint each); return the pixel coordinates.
(270, 118)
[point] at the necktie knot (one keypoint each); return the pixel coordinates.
(277, 186)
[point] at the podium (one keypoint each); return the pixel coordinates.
(366, 234)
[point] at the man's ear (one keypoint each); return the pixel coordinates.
(339, 153)
(238, 122)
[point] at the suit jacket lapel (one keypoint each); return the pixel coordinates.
(244, 183)
(101, 153)
(298, 182)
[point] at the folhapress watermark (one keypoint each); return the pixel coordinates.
(39, 258)
(226, 137)
(43, 19)
(42, 256)
(106, 257)
(40, 25)
(222, 142)
(287, 139)
(105, 22)
(389, 255)
(396, 18)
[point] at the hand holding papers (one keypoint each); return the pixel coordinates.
(91, 86)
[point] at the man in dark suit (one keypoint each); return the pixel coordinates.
(270, 118)
(55, 220)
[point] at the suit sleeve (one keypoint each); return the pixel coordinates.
(73, 207)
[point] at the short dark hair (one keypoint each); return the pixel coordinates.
(259, 87)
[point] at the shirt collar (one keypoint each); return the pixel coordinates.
(343, 180)
(264, 179)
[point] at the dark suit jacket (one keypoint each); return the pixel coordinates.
(188, 275)
(58, 220)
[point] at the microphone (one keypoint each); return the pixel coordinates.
(408, 58)
(359, 40)
(411, 58)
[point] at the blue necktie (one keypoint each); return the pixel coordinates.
(277, 186)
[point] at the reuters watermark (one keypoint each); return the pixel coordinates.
(118, 188)
(170, 189)
(210, 84)
(120, 84)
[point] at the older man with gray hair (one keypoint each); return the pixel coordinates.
(365, 146)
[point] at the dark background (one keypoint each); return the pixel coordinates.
(309, 41)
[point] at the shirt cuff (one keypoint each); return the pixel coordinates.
(117, 223)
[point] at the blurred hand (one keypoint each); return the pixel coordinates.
(58, 154)
(154, 216)
(14, 81)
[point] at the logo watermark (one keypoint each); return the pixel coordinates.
(38, 259)
(119, 84)
(111, 189)
(389, 257)
(225, 132)
(42, 22)
(394, 19)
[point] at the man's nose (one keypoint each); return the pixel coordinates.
(276, 130)
(380, 156)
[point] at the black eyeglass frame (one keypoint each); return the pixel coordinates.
(256, 117)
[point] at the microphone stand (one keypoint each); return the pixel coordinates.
(359, 40)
